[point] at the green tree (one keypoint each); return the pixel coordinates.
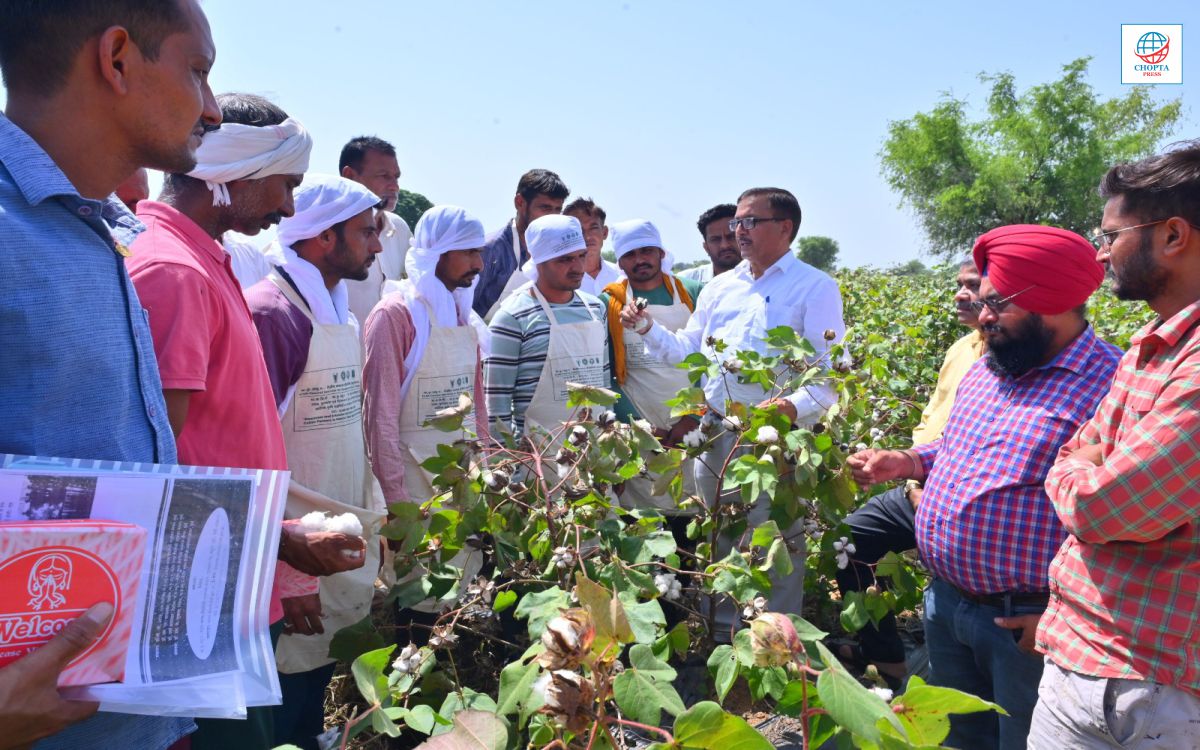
(910, 268)
(818, 252)
(1036, 158)
(410, 206)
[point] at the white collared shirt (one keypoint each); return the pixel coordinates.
(738, 309)
(607, 274)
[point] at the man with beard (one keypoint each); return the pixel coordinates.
(984, 526)
(540, 192)
(885, 522)
(95, 90)
(218, 395)
(1120, 632)
(372, 161)
(597, 272)
(311, 346)
(644, 382)
(719, 243)
(424, 347)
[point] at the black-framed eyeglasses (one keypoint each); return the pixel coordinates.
(997, 306)
(1105, 239)
(749, 222)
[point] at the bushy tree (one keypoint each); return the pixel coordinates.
(818, 252)
(410, 206)
(1036, 158)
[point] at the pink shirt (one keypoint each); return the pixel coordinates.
(206, 343)
(387, 337)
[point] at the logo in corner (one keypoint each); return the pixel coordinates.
(49, 580)
(1151, 53)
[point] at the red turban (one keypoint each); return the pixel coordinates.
(1053, 270)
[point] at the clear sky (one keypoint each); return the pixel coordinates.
(661, 108)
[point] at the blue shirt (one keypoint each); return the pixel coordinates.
(499, 263)
(78, 376)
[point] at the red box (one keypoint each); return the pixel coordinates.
(51, 572)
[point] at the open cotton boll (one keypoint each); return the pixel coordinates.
(312, 522)
(346, 523)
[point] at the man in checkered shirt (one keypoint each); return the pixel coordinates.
(1120, 632)
(985, 527)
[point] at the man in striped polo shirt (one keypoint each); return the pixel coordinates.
(1120, 632)
(546, 334)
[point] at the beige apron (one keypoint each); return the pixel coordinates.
(576, 353)
(649, 383)
(323, 431)
(446, 370)
(516, 281)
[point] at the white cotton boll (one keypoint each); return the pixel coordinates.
(312, 522)
(668, 586)
(842, 560)
(767, 435)
(850, 550)
(882, 692)
(732, 423)
(693, 439)
(347, 523)
(837, 546)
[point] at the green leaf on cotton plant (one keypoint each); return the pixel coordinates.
(706, 726)
(925, 710)
(643, 690)
(849, 703)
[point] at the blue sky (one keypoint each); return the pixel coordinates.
(661, 108)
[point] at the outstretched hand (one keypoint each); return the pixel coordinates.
(873, 466)
(321, 553)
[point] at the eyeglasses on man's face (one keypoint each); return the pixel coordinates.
(996, 304)
(1104, 240)
(749, 222)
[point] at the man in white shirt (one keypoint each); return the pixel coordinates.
(718, 242)
(372, 162)
(597, 272)
(771, 287)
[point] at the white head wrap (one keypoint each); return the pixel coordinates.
(440, 230)
(635, 234)
(245, 152)
(550, 237)
(321, 202)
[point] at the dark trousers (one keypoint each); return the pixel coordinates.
(883, 524)
(301, 716)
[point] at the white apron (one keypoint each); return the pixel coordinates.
(516, 281)
(323, 431)
(649, 383)
(576, 353)
(446, 370)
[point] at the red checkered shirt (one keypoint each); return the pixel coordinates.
(1125, 587)
(984, 523)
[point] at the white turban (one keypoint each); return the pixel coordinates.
(550, 237)
(440, 230)
(321, 201)
(635, 234)
(246, 152)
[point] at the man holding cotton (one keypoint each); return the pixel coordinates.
(311, 347)
(645, 382)
(547, 333)
(218, 395)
